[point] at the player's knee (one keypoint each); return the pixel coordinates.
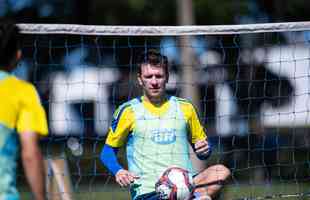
(223, 171)
(219, 171)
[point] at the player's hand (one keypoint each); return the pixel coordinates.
(202, 147)
(124, 177)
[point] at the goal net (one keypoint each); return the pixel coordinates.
(250, 84)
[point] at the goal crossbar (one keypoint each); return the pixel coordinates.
(74, 29)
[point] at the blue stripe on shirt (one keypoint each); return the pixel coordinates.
(109, 159)
(116, 119)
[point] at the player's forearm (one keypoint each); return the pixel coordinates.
(33, 167)
(109, 159)
(204, 156)
(202, 149)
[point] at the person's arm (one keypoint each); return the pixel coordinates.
(200, 143)
(122, 176)
(108, 158)
(122, 125)
(198, 137)
(32, 161)
(202, 149)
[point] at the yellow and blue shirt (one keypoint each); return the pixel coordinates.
(20, 111)
(156, 138)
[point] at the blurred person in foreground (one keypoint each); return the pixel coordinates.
(22, 121)
(156, 129)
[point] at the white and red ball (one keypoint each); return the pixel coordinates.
(175, 184)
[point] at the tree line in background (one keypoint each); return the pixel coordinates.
(152, 12)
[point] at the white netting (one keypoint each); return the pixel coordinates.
(250, 84)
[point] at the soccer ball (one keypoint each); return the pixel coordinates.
(175, 184)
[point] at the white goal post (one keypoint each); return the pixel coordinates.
(161, 30)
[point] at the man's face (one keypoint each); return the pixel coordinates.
(153, 81)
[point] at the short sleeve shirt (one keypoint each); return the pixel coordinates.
(20, 112)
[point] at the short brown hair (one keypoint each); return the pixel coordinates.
(153, 57)
(9, 42)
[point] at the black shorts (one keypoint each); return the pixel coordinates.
(149, 196)
(152, 195)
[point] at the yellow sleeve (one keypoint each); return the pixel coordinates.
(32, 115)
(195, 128)
(122, 125)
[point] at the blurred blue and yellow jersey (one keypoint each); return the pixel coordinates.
(156, 138)
(20, 112)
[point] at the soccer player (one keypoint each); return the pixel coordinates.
(22, 119)
(156, 129)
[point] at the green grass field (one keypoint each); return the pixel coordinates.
(230, 192)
